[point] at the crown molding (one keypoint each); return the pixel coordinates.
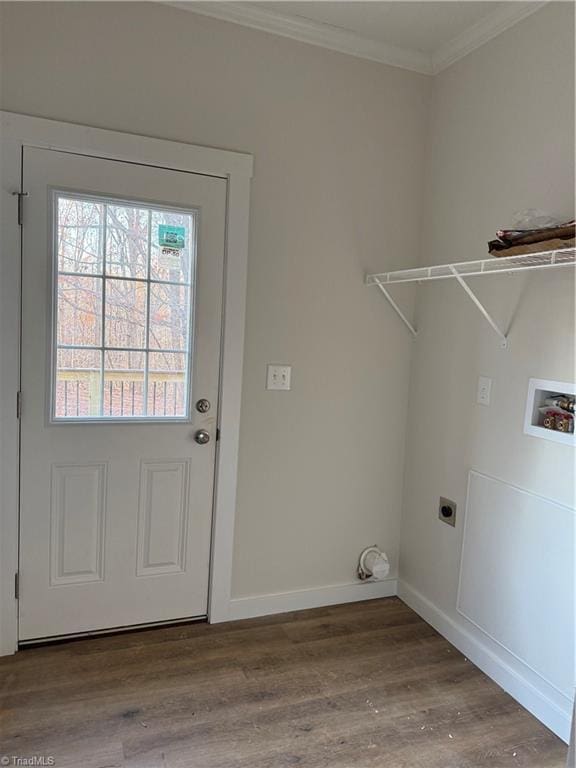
(306, 31)
(344, 41)
(499, 20)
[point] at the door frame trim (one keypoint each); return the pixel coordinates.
(18, 131)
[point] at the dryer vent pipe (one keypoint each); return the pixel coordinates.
(373, 564)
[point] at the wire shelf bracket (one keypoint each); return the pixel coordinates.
(481, 307)
(397, 309)
(563, 257)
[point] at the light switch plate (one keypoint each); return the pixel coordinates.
(484, 390)
(278, 377)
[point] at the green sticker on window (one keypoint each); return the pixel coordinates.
(170, 236)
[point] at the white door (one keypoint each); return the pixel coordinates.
(121, 320)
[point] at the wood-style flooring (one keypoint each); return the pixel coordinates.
(365, 685)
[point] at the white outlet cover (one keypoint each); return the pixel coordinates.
(279, 377)
(484, 390)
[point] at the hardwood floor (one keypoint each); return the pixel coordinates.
(364, 685)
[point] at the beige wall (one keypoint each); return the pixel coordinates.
(501, 139)
(340, 173)
(338, 145)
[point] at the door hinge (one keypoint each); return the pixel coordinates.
(17, 585)
(21, 196)
(18, 404)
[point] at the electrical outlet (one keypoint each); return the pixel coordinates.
(278, 377)
(484, 390)
(447, 511)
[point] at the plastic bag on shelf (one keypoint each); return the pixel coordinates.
(534, 218)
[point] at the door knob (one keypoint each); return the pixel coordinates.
(202, 437)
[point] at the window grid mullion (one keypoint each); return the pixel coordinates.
(147, 344)
(67, 273)
(103, 316)
(143, 350)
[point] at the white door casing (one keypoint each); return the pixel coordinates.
(116, 506)
(19, 131)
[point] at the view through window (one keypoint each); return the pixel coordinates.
(124, 278)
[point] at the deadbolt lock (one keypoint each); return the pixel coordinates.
(203, 405)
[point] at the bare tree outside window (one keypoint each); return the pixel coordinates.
(123, 314)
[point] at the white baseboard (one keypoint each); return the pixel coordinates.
(524, 691)
(281, 602)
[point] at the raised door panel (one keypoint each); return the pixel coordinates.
(162, 518)
(78, 510)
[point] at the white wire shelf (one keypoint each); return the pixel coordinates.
(563, 257)
(543, 260)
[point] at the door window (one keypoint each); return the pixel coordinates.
(123, 294)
